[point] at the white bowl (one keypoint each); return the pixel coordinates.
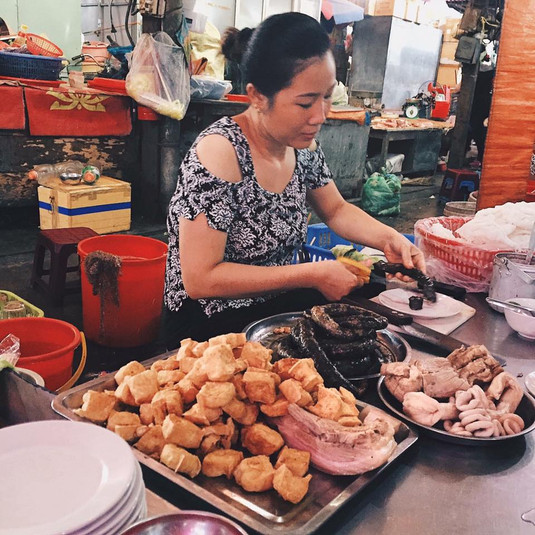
(521, 322)
(31, 376)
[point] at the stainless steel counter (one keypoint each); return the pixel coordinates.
(441, 488)
(438, 488)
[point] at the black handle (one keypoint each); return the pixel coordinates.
(393, 316)
(449, 289)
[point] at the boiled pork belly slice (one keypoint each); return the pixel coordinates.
(400, 378)
(336, 449)
(439, 378)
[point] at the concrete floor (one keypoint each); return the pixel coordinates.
(19, 228)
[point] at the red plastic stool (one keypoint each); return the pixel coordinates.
(61, 243)
(457, 185)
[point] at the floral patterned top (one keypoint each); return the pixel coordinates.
(263, 228)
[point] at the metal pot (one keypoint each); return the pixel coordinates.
(511, 277)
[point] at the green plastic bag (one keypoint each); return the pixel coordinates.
(381, 194)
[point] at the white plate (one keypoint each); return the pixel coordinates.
(398, 299)
(60, 476)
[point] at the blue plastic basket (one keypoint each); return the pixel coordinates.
(30, 66)
(321, 239)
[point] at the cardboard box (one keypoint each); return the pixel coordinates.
(387, 8)
(449, 28)
(104, 207)
(448, 75)
(448, 50)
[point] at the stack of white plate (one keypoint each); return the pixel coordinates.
(71, 478)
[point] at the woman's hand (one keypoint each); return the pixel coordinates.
(399, 249)
(334, 280)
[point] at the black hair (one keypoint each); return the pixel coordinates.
(279, 48)
(234, 42)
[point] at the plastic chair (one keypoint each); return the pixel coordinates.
(457, 185)
(61, 243)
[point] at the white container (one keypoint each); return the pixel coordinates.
(522, 323)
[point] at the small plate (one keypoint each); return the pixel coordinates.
(526, 410)
(398, 299)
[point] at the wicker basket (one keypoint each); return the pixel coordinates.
(473, 262)
(29, 66)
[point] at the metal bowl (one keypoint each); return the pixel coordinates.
(186, 523)
(71, 178)
(526, 410)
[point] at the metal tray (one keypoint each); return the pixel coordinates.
(526, 410)
(262, 331)
(264, 512)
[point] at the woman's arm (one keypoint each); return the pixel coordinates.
(357, 226)
(206, 275)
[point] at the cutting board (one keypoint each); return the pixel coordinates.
(445, 325)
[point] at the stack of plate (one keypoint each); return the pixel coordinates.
(67, 477)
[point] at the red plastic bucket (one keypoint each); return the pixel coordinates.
(136, 321)
(47, 347)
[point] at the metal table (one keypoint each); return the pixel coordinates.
(421, 147)
(437, 488)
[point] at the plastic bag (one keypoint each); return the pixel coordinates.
(9, 350)
(158, 76)
(207, 45)
(208, 87)
(381, 194)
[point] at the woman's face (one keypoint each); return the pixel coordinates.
(297, 112)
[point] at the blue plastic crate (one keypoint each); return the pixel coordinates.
(321, 239)
(29, 66)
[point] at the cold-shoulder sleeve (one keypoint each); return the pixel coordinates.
(199, 191)
(315, 169)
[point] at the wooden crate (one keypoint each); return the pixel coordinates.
(104, 207)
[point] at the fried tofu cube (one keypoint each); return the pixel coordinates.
(151, 442)
(187, 390)
(235, 409)
(199, 348)
(329, 404)
(165, 402)
(221, 463)
(297, 461)
(234, 340)
(260, 386)
(165, 364)
(169, 377)
(198, 374)
(132, 368)
(143, 386)
(260, 439)
(294, 392)
(185, 349)
(256, 355)
(123, 394)
(290, 487)
(279, 408)
(146, 413)
(200, 415)
(186, 364)
(282, 367)
(181, 432)
(239, 385)
(219, 362)
(180, 460)
(209, 444)
(305, 372)
(124, 423)
(96, 406)
(216, 395)
(250, 415)
(255, 474)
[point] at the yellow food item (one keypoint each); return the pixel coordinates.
(360, 269)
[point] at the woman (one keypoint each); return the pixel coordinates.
(239, 209)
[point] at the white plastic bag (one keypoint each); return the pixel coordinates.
(158, 77)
